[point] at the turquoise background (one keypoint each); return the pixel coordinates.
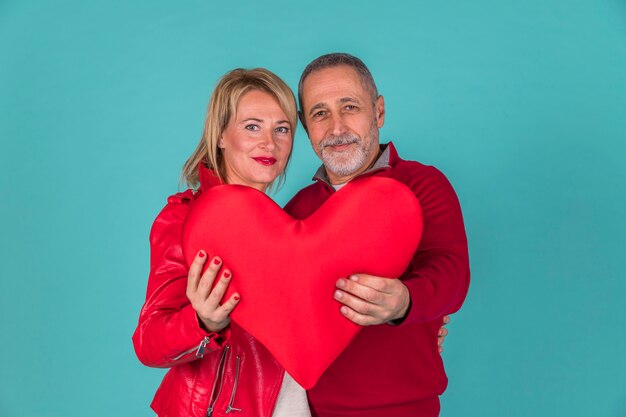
(521, 104)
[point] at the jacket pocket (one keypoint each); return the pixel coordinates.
(233, 393)
(218, 383)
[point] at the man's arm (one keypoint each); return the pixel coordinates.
(437, 279)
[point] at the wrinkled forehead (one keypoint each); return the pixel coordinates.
(334, 84)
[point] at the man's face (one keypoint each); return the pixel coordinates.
(342, 121)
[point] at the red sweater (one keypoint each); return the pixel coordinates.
(397, 370)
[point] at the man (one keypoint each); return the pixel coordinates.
(392, 367)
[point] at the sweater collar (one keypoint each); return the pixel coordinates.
(387, 158)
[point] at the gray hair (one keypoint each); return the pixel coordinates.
(336, 59)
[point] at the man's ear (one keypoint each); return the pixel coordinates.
(379, 108)
(302, 121)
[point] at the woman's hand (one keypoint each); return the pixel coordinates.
(443, 332)
(206, 301)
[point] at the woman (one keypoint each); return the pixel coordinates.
(247, 140)
(217, 368)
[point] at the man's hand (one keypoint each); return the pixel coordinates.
(369, 300)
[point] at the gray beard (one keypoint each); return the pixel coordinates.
(343, 163)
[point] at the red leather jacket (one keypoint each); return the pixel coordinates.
(211, 374)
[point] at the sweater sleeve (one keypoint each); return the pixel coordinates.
(169, 332)
(438, 276)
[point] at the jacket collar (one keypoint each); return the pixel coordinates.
(208, 178)
(387, 158)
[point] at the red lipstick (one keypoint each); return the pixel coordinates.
(267, 161)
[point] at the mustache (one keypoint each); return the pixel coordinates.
(339, 140)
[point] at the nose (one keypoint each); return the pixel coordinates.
(267, 140)
(338, 126)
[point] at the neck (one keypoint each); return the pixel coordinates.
(258, 186)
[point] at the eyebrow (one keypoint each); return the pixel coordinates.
(341, 100)
(254, 119)
(317, 106)
(347, 99)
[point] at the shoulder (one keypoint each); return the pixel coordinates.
(429, 184)
(307, 200)
(443, 218)
(184, 197)
(173, 215)
(420, 177)
(178, 204)
(309, 190)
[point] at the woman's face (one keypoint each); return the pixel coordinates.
(257, 141)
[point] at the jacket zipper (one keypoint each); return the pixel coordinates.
(217, 385)
(199, 349)
(230, 407)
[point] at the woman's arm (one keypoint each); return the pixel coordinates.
(169, 330)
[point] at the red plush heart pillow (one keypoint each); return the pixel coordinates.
(285, 269)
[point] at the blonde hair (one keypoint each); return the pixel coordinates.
(222, 108)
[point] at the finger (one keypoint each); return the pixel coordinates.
(361, 291)
(225, 309)
(193, 277)
(360, 319)
(360, 306)
(217, 293)
(441, 336)
(446, 320)
(206, 282)
(377, 283)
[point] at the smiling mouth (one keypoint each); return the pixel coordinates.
(267, 161)
(338, 143)
(340, 147)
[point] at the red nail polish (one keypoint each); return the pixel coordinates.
(226, 274)
(201, 254)
(216, 261)
(236, 298)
